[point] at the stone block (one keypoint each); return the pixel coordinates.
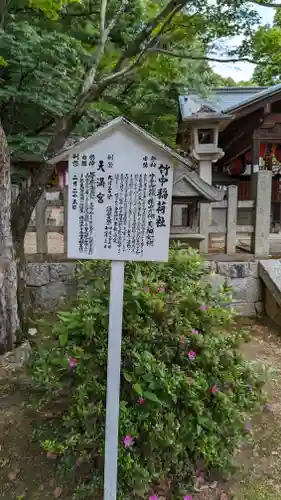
(238, 269)
(216, 281)
(48, 297)
(64, 272)
(272, 308)
(37, 274)
(244, 308)
(270, 273)
(259, 306)
(210, 266)
(248, 289)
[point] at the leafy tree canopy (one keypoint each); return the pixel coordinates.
(65, 70)
(264, 46)
(46, 50)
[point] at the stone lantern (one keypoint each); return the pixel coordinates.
(202, 124)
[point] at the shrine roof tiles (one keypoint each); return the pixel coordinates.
(227, 99)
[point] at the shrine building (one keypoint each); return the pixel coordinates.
(248, 123)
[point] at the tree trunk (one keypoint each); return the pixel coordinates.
(8, 269)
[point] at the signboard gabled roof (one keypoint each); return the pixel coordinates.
(207, 192)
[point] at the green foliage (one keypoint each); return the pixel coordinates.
(47, 48)
(51, 8)
(186, 390)
(33, 93)
(265, 47)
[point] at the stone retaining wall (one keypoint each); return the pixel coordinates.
(244, 279)
(48, 282)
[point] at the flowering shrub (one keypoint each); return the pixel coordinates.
(185, 398)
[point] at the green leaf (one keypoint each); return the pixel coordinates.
(63, 338)
(127, 376)
(3, 62)
(137, 388)
(152, 397)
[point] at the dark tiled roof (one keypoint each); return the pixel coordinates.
(228, 99)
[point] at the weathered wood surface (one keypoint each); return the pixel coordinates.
(8, 269)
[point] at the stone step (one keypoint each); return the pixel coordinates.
(270, 274)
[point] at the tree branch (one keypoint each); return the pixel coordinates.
(115, 18)
(41, 128)
(203, 58)
(134, 46)
(104, 34)
(78, 14)
(103, 10)
(266, 4)
(148, 46)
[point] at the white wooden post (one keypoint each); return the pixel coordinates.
(119, 209)
(231, 219)
(113, 379)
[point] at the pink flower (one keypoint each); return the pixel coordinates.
(187, 497)
(154, 497)
(161, 289)
(214, 389)
(192, 355)
(72, 363)
(203, 307)
(195, 332)
(128, 441)
(141, 401)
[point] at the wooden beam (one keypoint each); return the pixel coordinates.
(239, 126)
(237, 149)
(236, 139)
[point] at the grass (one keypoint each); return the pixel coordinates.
(260, 490)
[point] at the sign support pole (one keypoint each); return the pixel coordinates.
(113, 379)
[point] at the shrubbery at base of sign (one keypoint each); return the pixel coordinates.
(186, 391)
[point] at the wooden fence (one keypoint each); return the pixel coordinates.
(229, 234)
(46, 238)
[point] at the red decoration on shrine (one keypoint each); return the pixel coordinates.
(238, 166)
